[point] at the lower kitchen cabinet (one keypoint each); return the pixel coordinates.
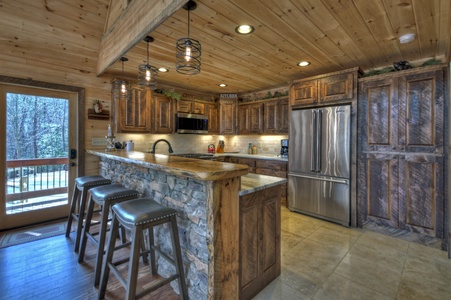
(243, 161)
(265, 167)
(403, 191)
(274, 168)
(259, 240)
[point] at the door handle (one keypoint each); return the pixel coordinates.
(318, 140)
(313, 141)
(73, 154)
(72, 164)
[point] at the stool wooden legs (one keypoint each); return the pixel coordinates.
(108, 259)
(81, 201)
(135, 252)
(73, 209)
(178, 258)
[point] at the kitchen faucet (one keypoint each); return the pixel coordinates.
(161, 140)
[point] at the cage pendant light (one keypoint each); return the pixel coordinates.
(124, 87)
(147, 74)
(188, 51)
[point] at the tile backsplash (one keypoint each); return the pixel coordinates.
(193, 143)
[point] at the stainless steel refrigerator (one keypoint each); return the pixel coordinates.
(319, 162)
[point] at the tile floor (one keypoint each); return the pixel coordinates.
(321, 260)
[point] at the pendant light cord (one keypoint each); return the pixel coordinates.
(188, 22)
(147, 52)
(122, 70)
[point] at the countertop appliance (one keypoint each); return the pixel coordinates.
(284, 148)
(319, 162)
(191, 123)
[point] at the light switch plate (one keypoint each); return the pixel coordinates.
(99, 142)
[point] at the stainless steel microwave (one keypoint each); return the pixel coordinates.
(191, 123)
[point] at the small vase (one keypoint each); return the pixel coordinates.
(97, 108)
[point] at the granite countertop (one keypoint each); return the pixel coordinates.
(179, 166)
(255, 182)
(255, 156)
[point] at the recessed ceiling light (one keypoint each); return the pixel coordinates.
(407, 38)
(303, 63)
(163, 70)
(244, 29)
(222, 85)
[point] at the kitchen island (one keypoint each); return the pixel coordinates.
(208, 196)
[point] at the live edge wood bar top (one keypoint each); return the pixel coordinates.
(178, 166)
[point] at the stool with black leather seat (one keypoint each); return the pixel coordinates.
(78, 203)
(137, 216)
(105, 197)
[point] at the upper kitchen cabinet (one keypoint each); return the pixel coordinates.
(324, 89)
(304, 92)
(132, 113)
(250, 118)
(227, 116)
(142, 112)
(263, 117)
(162, 114)
(212, 111)
(421, 112)
(378, 114)
(190, 107)
(275, 116)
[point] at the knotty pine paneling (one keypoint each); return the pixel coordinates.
(332, 35)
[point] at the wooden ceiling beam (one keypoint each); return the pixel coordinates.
(133, 25)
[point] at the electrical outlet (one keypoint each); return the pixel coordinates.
(99, 142)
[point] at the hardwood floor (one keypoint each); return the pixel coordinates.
(48, 269)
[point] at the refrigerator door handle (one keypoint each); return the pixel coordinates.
(344, 181)
(313, 143)
(318, 140)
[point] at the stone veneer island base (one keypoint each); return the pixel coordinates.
(213, 200)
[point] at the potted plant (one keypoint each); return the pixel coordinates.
(97, 105)
(172, 94)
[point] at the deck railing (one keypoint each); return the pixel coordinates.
(32, 178)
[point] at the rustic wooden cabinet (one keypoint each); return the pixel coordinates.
(162, 114)
(275, 117)
(191, 107)
(263, 117)
(401, 150)
(259, 240)
(250, 118)
(243, 161)
(132, 113)
(265, 167)
(274, 168)
(212, 111)
(324, 89)
(142, 111)
(227, 116)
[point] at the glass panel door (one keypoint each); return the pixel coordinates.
(37, 131)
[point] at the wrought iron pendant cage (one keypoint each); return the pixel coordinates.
(147, 74)
(188, 51)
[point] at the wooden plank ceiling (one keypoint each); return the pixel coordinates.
(332, 34)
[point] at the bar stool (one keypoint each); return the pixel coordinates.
(79, 196)
(106, 197)
(139, 215)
